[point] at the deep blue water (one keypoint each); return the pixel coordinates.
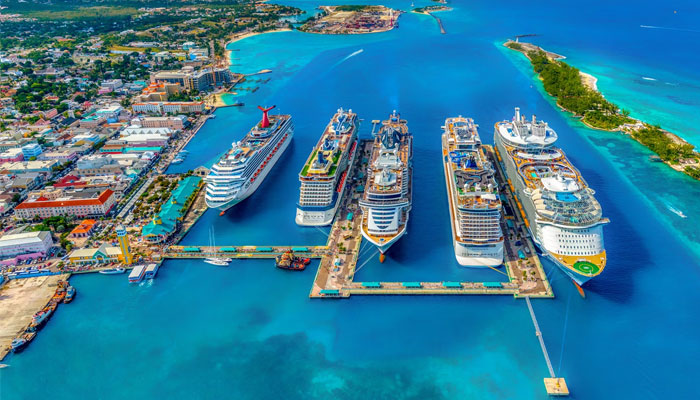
(249, 331)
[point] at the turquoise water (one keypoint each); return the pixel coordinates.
(249, 331)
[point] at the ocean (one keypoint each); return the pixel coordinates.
(250, 331)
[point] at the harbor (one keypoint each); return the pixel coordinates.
(21, 298)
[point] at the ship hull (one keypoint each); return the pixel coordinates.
(316, 218)
(531, 214)
(383, 246)
(478, 256)
(242, 195)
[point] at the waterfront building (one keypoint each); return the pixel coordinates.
(159, 107)
(168, 219)
(472, 192)
(96, 255)
(25, 243)
(324, 174)
(175, 123)
(560, 210)
(201, 80)
(77, 202)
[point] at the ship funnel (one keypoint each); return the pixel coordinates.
(265, 121)
(534, 119)
(517, 113)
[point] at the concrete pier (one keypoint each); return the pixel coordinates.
(20, 299)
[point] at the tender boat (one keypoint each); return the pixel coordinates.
(113, 271)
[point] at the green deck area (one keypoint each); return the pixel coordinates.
(586, 267)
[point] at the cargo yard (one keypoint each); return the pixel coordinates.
(349, 20)
(19, 301)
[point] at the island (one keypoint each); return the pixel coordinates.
(352, 19)
(577, 92)
(428, 9)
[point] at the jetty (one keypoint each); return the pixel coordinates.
(439, 21)
(336, 271)
(242, 251)
(339, 257)
(554, 386)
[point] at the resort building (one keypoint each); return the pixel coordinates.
(25, 243)
(202, 80)
(175, 123)
(175, 107)
(77, 202)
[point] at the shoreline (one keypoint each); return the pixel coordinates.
(590, 82)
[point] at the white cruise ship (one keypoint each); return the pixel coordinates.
(386, 201)
(562, 214)
(475, 206)
(242, 169)
(324, 174)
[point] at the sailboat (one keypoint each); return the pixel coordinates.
(218, 261)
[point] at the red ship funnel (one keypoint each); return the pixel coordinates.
(265, 121)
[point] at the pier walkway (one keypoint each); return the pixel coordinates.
(554, 386)
(243, 251)
(334, 277)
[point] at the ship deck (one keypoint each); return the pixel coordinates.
(344, 145)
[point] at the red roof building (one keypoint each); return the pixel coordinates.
(77, 202)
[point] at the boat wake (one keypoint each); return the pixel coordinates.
(646, 78)
(667, 28)
(349, 56)
(676, 211)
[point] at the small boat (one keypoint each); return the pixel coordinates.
(151, 271)
(137, 274)
(288, 261)
(221, 262)
(212, 116)
(676, 211)
(113, 271)
(40, 318)
(177, 161)
(70, 294)
(18, 344)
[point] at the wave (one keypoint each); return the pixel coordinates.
(668, 28)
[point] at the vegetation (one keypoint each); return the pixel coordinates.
(59, 224)
(564, 82)
(353, 7)
(514, 46)
(660, 143)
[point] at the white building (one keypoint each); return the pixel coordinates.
(25, 243)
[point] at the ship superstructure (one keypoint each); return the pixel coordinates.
(324, 174)
(386, 201)
(475, 206)
(242, 169)
(562, 214)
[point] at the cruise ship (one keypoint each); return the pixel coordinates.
(386, 201)
(561, 212)
(474, 202)
(243, 168)
(324, 174)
